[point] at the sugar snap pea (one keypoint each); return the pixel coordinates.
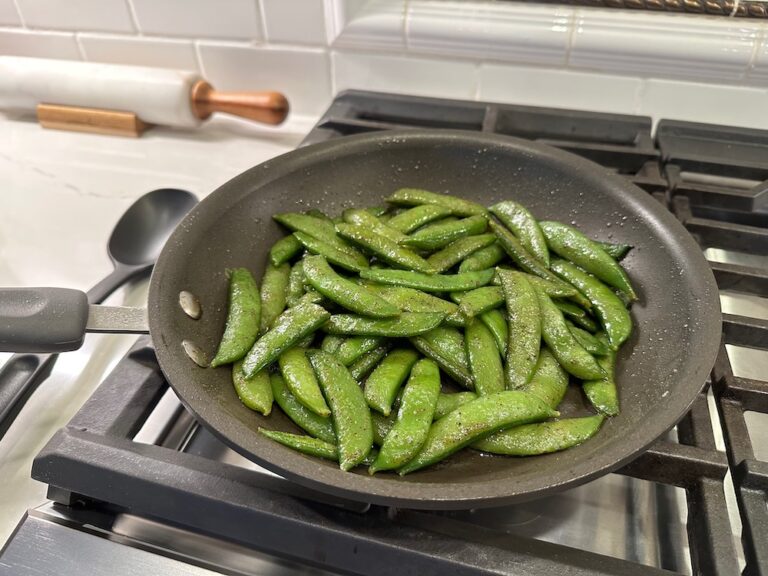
(381, 426)
(255, 392)
(525, 327)
(243, 316)
(484, 258)
(441, 234)
(549, 381)
(522, 223)
(542, 437)
(274, 286)
(331, 343)
(588, 341)
(353, 348)
(317, 426)
(497, 324)
(386, 379)
(344, 292)
(416, 217)
(412, 300)
(406, 324)
(552, 289)
(361, 367)
(415, 197)
(574, 246)
(616, 251)
(457, 250)
(474, 420)
(284, 249)
(332, 254)
(576, 314)
(602, 393)
(349, 411)
(569, 353)
(474, 302)
(319, 228)
(304, 444)
(430, 282)
(369, 221)
(609, 308)
(290, 328)
(300, 379)
(449, 402)
(484, 359)
(295, 289)
(445, 345)
(414, 418)
(383, 248)
(311, 296)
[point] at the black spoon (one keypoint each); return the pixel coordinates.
(135, 244)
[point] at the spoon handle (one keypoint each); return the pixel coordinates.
(119, 276)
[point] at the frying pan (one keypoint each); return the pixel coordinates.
(660, 370)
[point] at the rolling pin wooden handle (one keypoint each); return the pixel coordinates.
(266, 107)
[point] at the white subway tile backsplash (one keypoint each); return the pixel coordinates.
(490, 30)
(676, 45)
(236, 19)
(407, 75)
(379, 25)
(302, 75)
(559, 88)
(75, 15)
(9, 16)
(295, 21)
(39, 44)
(139, 51)
(759, 72)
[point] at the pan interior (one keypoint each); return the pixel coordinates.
(659, 371)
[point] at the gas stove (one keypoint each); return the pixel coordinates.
(137, 486)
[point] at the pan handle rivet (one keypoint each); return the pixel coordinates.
(190, 304)
(195, 353)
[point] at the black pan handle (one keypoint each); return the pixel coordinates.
(42, 319)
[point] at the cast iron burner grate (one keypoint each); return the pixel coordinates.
(709, 176)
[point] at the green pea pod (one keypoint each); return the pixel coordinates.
(416, 217)
(300, 379)
(430, 282)
(549, 381)
(572, 245)
(602, 392)
(344, 292)
(522, 223)
(353, 348)
(274, 286)
(542, 437)
(457, 250)
(439, 235)
(412, 300)
(384, 382)
(577, 315)
(616, 251)
(475, 302)
(525, 327)
(569, 353)
(445, 345)
(474, 420)
(609, 308)
(449, 402)
(349, 411)
(402, 326)
(299, 414)
(367, 220)
(295, 289)
(380, 211)
(311, 296)
(319, 228)
(304, 444)
(484, 359)
(414, 418)
(415, 197)
(497, 324)
(361, 367)
(284, 249)
(255, 392)
(381, 426)
(588, 341)
(290, 328)
(332, 254)
(383, 248)
(440, 222)
(331, 343)
(552, 289)
(484, 258)
(244, 313)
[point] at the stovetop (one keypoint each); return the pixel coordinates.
(137, 486)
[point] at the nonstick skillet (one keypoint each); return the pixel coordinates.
(660, 370)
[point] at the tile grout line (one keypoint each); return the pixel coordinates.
(406, 28)
(263, 22)
(80, 48)
(21, 16)
(569, 41)
(134, 17)
(199, 58)
(332, 71)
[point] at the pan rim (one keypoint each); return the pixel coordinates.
(430, 495)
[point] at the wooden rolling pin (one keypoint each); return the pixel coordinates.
(152, 95)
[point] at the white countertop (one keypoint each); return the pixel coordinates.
(62, 193)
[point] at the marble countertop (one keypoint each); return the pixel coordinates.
(62, 193)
